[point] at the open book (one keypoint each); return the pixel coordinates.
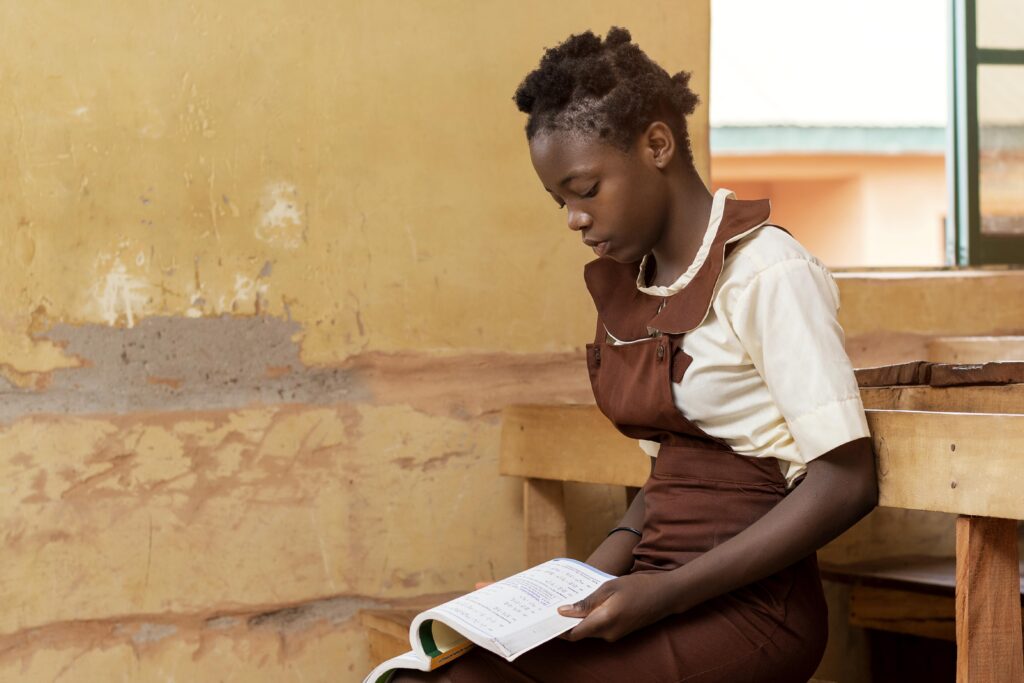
(508, 617)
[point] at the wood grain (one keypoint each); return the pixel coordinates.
(988, 625)
(950, 462)
(997, 399)
(568, 443)
(544, 520)
(903, 611)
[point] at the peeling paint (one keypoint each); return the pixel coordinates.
(281, 222)
(120, 296)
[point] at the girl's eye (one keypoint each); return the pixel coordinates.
(591, 192)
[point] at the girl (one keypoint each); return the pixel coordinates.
(717, 346)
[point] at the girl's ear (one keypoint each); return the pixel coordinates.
(658, 144)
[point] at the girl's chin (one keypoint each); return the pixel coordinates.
(622, 256)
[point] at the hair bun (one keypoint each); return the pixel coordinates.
(617, 36)
(581, 45)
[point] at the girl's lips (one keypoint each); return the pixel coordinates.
(601, 248)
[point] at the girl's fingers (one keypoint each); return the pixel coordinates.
(595, 623)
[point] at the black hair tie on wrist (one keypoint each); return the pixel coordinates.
(625, 528)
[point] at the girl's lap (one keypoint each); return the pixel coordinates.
(726, 639)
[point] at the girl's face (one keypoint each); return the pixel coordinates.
(617, 201)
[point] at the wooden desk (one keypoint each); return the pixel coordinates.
(934, 451)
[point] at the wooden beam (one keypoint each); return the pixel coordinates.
(997, 399)
(903, 611)
(950, 462)
(568, 443)
(543, 520)
(940, 461)
(898, 315)
(988, 625)
(935, 303)
(387, 627)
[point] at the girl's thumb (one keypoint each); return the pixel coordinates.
(573, 610)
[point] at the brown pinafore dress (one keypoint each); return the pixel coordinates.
(699, 494)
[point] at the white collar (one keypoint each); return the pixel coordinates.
(717, 209)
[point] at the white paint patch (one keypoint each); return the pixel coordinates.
(119, 294)
(281, 221)
(80, 112)
(247, 291)
(196, 303)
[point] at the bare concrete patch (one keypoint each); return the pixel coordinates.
(151, 633)
(173, 363)
(182, 364)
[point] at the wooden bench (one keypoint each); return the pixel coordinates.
(908, 594)
(387, 628)
(956, 449)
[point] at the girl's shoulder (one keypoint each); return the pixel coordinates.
(775, 262)
(763, 250)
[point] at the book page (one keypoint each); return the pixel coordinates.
(520, 612)
(409, 660)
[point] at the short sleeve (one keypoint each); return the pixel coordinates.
(786, 319)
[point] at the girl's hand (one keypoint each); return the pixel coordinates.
(619, 607)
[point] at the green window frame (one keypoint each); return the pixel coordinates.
(966, 244)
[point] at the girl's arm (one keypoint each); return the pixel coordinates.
(615, 554)
(839, 489)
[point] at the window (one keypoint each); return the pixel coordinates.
(986, 139)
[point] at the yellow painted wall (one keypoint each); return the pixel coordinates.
(270, 271)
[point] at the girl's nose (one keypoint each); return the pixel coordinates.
(579, 220)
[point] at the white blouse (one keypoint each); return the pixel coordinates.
(770, 375)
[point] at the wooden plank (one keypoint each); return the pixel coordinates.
(988, 625)
(387, 628)
(568, 443)
(997, 399)
(544, 520)
(903, 611)
(897, 315)
(941, 374)
(919, 573)
(950, 462)
(944, 462)
(976, 349)
(936, 303)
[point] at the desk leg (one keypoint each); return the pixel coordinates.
(544, 517)
(988, 618)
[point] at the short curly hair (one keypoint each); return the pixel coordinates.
(608, 89)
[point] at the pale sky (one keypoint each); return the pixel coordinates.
(829, 62)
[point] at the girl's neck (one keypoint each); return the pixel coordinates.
(689, 213)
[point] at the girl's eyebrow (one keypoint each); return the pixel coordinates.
(573, 175)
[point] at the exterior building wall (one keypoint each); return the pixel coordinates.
(865, 210)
